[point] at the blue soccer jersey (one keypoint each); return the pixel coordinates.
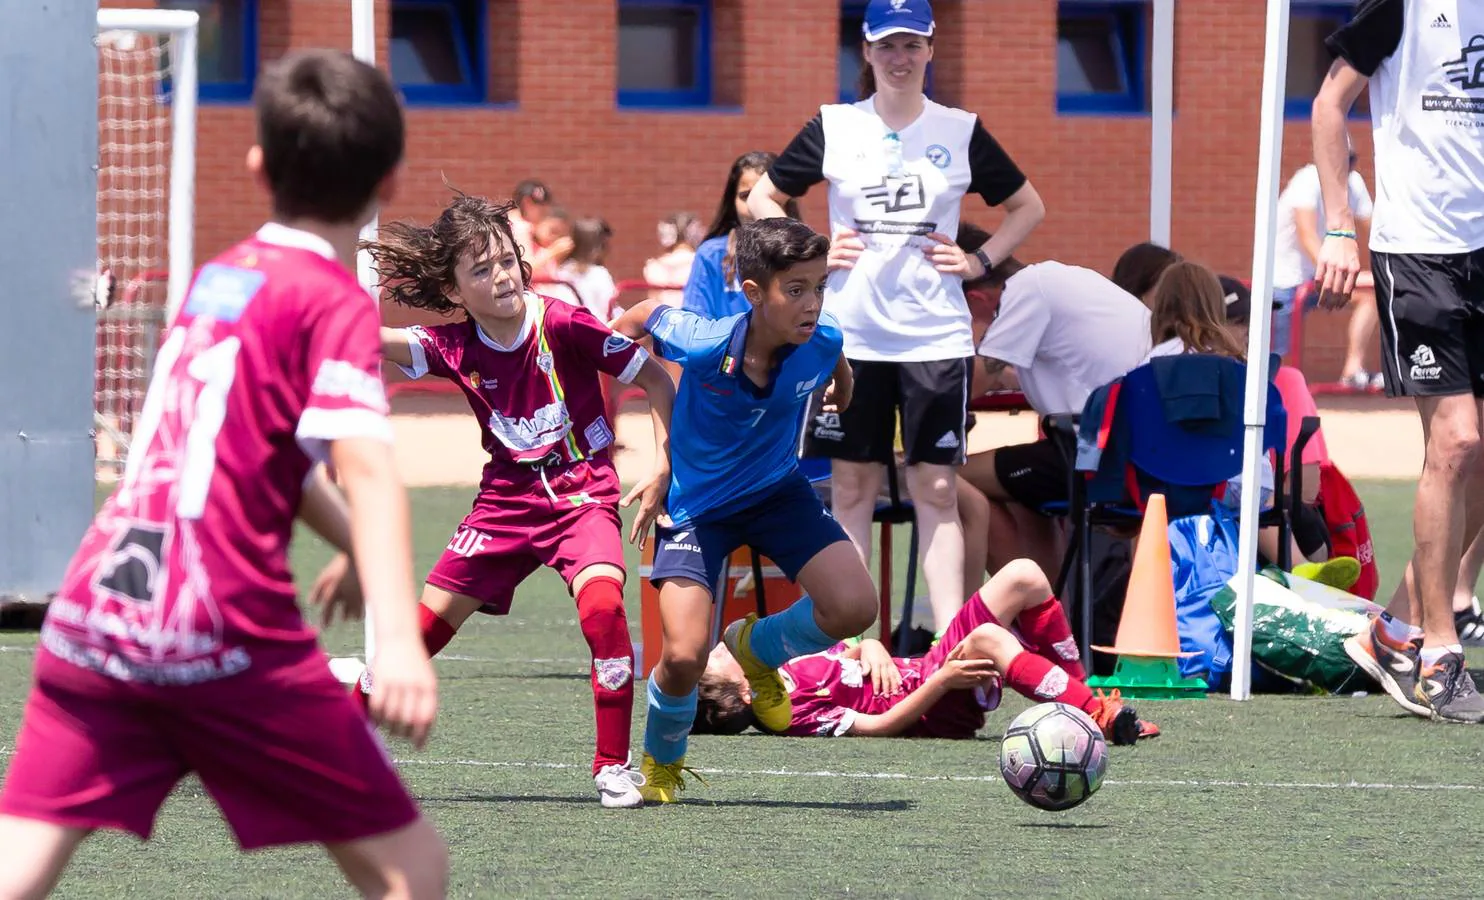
(729, 438)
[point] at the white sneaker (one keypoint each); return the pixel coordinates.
(618, 787)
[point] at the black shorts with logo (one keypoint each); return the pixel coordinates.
(933, 398)
(1432, 322)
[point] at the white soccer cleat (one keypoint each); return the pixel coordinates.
(618, 787)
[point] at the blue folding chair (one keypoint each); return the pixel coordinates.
(1174, 427)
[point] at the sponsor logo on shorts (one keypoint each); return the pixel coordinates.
(613, 674)
(827, 427)
(678, 541)
(948, 441)
(467, 541)
(1425, 365)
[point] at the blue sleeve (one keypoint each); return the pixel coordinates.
(682, 336)
(830, 341)
(704, 288)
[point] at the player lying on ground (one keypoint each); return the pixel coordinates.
(863, 691)
(529, 367)
(175, 644)
(746, 381)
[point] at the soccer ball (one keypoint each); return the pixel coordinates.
(1053, 756)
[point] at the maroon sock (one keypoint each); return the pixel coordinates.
(1046, 628)
(436, 634)
(1037, 678)
(606, 628)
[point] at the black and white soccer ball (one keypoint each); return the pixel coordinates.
(1053, 756)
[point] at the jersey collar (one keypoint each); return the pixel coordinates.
(731, 360)
(283, 236)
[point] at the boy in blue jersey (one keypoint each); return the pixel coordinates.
(736, 482)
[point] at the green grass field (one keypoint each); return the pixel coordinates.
(1283, 796)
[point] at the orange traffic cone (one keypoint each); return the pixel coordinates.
(1148, 641)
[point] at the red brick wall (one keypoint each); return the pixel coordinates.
(775, 63)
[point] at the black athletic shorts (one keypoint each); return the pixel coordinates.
(1033, 474)
(1432, 322)
(934, 401)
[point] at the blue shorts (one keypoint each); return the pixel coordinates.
(787, 523)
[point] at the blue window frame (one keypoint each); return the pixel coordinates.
(1309, 23)
(852, 21)
(226, 47)
(436, 52)
(1102, 57)
(664, 53)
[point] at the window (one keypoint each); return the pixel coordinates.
(1101, 61)
(664, 53)
(1308, 59)
(436, 50)
(226, 46)
(852, 24)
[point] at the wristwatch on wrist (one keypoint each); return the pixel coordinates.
(984, 260)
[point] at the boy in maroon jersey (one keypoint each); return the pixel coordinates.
(529, 368)
(175, 644)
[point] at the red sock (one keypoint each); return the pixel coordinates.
(1046, 628)
(606, 628)
(1037, 678)
(436, 634)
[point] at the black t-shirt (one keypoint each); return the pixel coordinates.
(1368, 39)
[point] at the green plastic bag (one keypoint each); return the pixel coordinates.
(1299, 629)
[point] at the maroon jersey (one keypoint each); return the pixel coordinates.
(183, 576)
(539, 401)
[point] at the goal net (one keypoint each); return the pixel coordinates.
(146, 174)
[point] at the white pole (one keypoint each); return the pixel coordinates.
(1270, 153)
(1161, 150)
(363, 47)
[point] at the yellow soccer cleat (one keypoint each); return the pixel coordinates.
(771, 707)
(663, 783)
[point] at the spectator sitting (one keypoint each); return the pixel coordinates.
(1139, 268)
(1065, 330)
(584, 269)
(679, 233)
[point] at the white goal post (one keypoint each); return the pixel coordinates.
(147, 97)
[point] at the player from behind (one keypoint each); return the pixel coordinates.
(747, 379)
(529, 368)
(863, 691)
(175, 644)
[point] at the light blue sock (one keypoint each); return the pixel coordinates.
(667, 729)
(793, 632)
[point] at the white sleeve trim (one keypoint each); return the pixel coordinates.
(318, 427)
(636, 362)
(414, 336)
(847, 721)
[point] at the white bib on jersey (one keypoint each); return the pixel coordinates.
(1427, 108)
(894, 305)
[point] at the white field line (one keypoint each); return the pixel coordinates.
(903, 776)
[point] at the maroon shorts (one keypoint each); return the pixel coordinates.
(286, 755)
(959, 713)
(514, 530)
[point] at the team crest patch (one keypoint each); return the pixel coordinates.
(474, 380)
(613, 674)
(598, 434)
(616, 343)
(938, 155)
(543, 362)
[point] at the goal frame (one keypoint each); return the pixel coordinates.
(182, 27)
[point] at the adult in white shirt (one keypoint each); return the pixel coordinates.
(1065, 331)
(1422, 61)
(898, 166)
(1300, 231)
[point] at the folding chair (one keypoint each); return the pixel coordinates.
(1174, 427)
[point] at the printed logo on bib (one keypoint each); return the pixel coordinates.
(1425, 365)
(898, 193)
(598, 434)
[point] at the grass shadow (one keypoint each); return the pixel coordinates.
(588, 800)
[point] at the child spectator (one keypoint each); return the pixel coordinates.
(713, 288)
(584, 269)
(679, 235)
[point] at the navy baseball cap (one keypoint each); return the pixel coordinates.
(887, 17)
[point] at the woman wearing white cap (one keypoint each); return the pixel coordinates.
(898, 166)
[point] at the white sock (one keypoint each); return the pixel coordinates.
(1431, 655)
(1398, 630)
